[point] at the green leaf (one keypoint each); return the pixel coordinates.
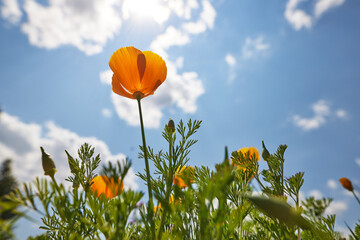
(280, 210)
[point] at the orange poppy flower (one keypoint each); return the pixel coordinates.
(183, 176)
(136, 73)
(106, 186)
(346, 183)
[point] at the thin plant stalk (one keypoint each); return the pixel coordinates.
(168, 189)
(355, 196)
(151, 205)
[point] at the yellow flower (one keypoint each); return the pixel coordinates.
(253, 155)
(171, 200)
(346, 183)
(106, 186)
(183, 176)
(136, 73)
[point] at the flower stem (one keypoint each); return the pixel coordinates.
(168, 189)
(151, 205)
(355, 196)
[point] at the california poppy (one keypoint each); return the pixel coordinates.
(346, 183)
(106, 186)
(183, 176)
(136, 73)
(253, 155)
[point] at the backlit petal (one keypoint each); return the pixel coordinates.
(124, 64)
(155, 73)
(118, 88)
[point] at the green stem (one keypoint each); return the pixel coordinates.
(168, 190)
(355, 196)
(151, 205)
(257, 178)
(297, 207)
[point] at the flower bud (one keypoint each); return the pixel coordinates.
(47, 163)
(265, 153)
(346, 183)
(171, 125)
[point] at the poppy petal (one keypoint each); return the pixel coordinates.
(155, 73)
(124, 64)
(118, 88)
(141, 63)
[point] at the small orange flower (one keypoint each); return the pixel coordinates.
(183, 176)
(253, 154)
(136, 73)
(346, 183)
(106, 186)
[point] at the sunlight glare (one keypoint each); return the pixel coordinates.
(143, 9)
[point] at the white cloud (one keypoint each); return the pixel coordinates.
(253, 47)
(230, 60)
(206, 20)
(341, 113)
(106, 77)
(21, 142)
(106, 113)
(332, 184)
(300, 19)
(153, 9)
(85, 24)
(321, 111)
(179, 63)
(357, 161)
(171, 37)
(10, 11)
(183, 9)
(336, 207)
(322, 6)
(297, 18)
(316, 194)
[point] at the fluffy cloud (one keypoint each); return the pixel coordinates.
(10, 11)
(316, 194)
(297, 18)
(21, 141)
(321, 111)
(206, 20)
(254, 46)
(106, 113)
(336, 207)
(332, 184)
(300, 19)
(171, 37)
(322, 6)
(231, 62)
(87, 25)
(158, 10)
(357, 161)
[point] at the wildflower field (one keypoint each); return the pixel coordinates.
(179, 119)
(183, 201)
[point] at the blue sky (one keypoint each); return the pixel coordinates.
(286, 72)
